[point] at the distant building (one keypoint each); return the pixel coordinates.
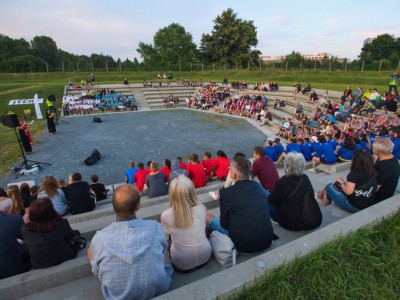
(271, 59)
(317, 56)
(314, 57)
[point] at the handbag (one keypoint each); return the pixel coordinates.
(223, 249)
(78, 242)
(337, 186)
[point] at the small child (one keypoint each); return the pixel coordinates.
(98, 188)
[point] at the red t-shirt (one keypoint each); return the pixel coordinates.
(208, 165)
(266, 172)
(166, 172)
(140, 179)
(222, 167)
(197, 175)
(183, 165)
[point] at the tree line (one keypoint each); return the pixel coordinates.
(231, 44)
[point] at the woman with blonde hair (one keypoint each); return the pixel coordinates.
(51, 190)
(185, 223)
(15, 195)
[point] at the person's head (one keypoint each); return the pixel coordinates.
(240, 168)
(362, 161)
(348, 142)
(182, 197)
(179, 158)
(258, 153)
(24, 188)
(62, 183)
(239, 154)
(126, 201)
(221, 153)
(328, 136)
(6, 205)
(15, 195)
(154, 166)
(300, 141)
(50, 186)
(269, 143)
(321, 138)
(34, 190)
(207, 154)
(131, 164)
(194, 158)
(382, 146)
(94, 178)
(294, 164)
(42, 216)
(76, 177)
(167, 163)
(140, 166)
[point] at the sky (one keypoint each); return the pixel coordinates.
(116, 27)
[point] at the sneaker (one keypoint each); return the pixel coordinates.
(213, 195)
(312, 170)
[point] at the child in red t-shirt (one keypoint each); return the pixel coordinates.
(209, 164)
(140, 177)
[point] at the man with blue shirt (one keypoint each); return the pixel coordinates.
(325, 156)
(270, 151)
(290, 147)
(130, 173)
(278, 146)
(305, 147)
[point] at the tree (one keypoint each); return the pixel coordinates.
(293, 58)
(10, 48)
(172, 45)
(381, 47)
(231, 41)
(45, 48)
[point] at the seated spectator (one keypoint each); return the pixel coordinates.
(63, 186)
(181, 163)
(14, 256)
(14, 194)
(299, 108)
(155, 182)
(25, 194)
(209, 164)
(396, 143)
(288, 211)
(132, 249)
(359, 190)
(140, 177)
(196, 171)
(185, 223)
(244, 210)
(325, 156)
(368, 107)
(297, 87)
(344, 112)
(81, 198)
(222, 163)
(346, 150)
(47, 235)
(292, 146)
(130, 173)
(166, 169)
(387, 167)
(176, 171)
(98, 188)
(306, 89)
(51, 190)
(270, 150)
(126, 81)
(313, 96)
(346, 94)
(34, 191)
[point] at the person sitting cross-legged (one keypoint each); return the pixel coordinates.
(128, 255)
(244, 210)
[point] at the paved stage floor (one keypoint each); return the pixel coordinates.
(144, 136)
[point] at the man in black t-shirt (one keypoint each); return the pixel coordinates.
(80, 196)
(387, 167)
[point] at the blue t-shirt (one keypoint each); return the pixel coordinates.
(316, 148)
(130, 173)
(306, 151)
(396, 148)
(333, 143)
(331, 119)
(270, 152)
(293, 147)
(346, 154)
(328, 154)
(279, 149)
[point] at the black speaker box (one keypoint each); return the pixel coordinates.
(93, 158)
(97, 120)
(10, 121)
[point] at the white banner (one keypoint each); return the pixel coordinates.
(24, 101)
(37, 107)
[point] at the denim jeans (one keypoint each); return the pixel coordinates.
(340, 199)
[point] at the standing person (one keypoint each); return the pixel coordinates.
(185, 223)
(81, 198)
(394, 80)
(50, 121)
(24, 127)
(47, 235)
(51, 106)
(196, 171)
(131, 249)
(155, 182)
(25, 137)
(244, 210)
(130, 173)
(359, 190)
(387, 167)
(14, 256)
(140, 177)
(51, 190)
(265, 169)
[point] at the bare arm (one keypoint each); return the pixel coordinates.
(89, 254)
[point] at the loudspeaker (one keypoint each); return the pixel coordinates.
(97, 120)
(10, 121)
(93, 158)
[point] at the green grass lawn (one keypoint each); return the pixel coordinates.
(362, 265)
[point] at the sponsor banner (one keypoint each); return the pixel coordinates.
(24, 101)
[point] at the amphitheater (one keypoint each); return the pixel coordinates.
(73, 279)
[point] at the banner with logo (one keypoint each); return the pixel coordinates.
(24, 101)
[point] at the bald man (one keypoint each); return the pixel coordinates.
(128, 255)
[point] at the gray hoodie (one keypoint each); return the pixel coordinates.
(176, 170)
